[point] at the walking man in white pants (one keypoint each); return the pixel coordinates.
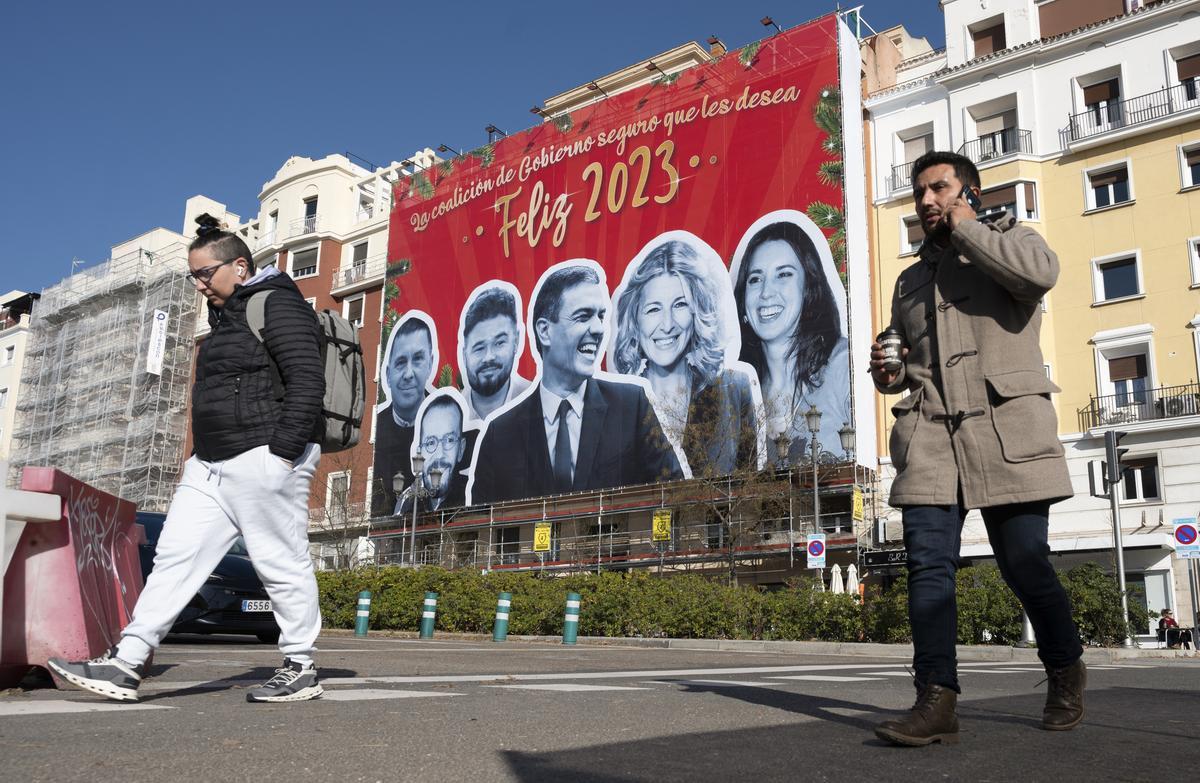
(254, 459)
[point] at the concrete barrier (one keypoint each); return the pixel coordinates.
(69, 585)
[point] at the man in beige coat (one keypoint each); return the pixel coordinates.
(977, 430)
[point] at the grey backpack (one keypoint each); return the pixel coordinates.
(345, 377)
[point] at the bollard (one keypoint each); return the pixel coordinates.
(500, 630)
(363, 615)
(428, 614)
(571, 619)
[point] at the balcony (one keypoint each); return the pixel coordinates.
(358, 275)
(1165, 402)
(1139, 110)
(901, 177)
(266, 239)
(998, 145)
(363, 213)
(305, 225)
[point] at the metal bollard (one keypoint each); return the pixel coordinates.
(428, 614)
(363, 615)
(571, 619)
(500, 630)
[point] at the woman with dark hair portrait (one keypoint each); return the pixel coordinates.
(792, 335)
(669, 330)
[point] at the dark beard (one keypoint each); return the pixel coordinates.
(485, 388)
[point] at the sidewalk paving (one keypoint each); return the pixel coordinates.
(1094, 655)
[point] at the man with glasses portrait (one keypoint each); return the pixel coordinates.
(443, 444)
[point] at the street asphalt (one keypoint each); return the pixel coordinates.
(400, 709)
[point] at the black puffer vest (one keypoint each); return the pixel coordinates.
(240, 399)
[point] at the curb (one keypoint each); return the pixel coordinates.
(1093, 655)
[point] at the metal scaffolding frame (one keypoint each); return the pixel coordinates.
(88, 405)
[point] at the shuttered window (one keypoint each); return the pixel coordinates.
(1188, 67)
(1126, 368)
(1191, 167)
(989, 39)
(1108, 92)
(914, 235)
(1109, 187)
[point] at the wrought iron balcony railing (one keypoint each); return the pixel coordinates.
(1164, 402)
(1105, 118)
(1001, 144)
(305, 225)
(901, 177)
(356, 273)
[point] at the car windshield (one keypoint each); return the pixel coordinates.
(239, 547)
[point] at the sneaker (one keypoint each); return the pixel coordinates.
(107, 675)
(293, 682)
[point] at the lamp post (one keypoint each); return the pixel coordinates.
(783, 444)
(813, 420)
(419, 491)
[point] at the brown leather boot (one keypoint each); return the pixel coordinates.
(930, 720)
(1064, 697)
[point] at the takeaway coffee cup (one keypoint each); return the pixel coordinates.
(892, 343)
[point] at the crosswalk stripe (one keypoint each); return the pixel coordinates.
(822, 678)
(61, 707)
(567, 687)
(369, 694)
(717, 683)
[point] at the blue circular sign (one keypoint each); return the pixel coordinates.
(816, 548)
(1185, 534)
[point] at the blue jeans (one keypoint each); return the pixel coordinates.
(1018, 534)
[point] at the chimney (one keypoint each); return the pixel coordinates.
(715, 47)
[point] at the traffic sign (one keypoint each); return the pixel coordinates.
(661, 530)
(541, 537)
(816, 550)
(856, 505)
(1186, 543)
(885, 558)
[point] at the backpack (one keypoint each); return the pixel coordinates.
(340, 424)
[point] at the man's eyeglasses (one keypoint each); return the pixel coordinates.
(448, 442)
(204, 275)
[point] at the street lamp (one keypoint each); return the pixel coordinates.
(846, 433)
(813, 420)
(783, 444)
(420, 491)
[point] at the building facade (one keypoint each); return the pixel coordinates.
(1084, 120)
(15, 309)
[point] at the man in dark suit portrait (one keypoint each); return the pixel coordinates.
(406, 372)
(572, 431)
(442, 443)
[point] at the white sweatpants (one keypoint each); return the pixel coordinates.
(256, 495)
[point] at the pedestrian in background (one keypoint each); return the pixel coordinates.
(976, 431)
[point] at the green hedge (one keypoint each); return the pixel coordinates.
(640, 604)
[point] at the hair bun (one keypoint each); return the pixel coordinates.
(207, 225)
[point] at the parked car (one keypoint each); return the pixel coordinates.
(232, 600)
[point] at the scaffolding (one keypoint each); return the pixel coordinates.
(89, 404)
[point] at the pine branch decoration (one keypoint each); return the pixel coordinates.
(485, 154)
(446, 167)
(666, 80)
(445, 377)
(830, 173)
(421, 185)
(748, 53)
(563, 122)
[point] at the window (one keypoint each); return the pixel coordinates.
(10, 354)
(911, 236)
(304, 263)
(1108, 187)
(997, 134)
(1129, 377)
(917, 146)
(510, 544)
(1116, 278)
(3, 398)
(1189, 160)
(337, 495)
(1140, 478)
(1194, 259)
(310, 214)
(359, 261)
(1188, 70)
(354, 310)
(989, 37)
(1103, 102)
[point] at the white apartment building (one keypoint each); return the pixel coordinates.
(15, 309)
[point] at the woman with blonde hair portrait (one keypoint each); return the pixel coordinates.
(671, 331)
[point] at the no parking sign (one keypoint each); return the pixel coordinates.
(1186, 544)
(816, 550)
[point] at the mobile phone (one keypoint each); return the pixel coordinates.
(969, 196)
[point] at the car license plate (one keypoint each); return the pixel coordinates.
(256, 606)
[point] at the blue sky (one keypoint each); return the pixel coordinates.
(116, 114)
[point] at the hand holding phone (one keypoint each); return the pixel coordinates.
(972, 200)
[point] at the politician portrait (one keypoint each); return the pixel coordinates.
(676, 327)
(443, 444)
(792, 310)
(572, 430)
(407, 368)
(491, 336)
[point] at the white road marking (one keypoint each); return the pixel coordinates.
(60, 707)
(568, 687)
(823, 678)
(367, 694)
(717, 683)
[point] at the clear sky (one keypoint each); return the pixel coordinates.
(115, 114)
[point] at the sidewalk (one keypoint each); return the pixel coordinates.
(1094, 655)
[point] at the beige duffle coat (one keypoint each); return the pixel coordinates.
(978, 416)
